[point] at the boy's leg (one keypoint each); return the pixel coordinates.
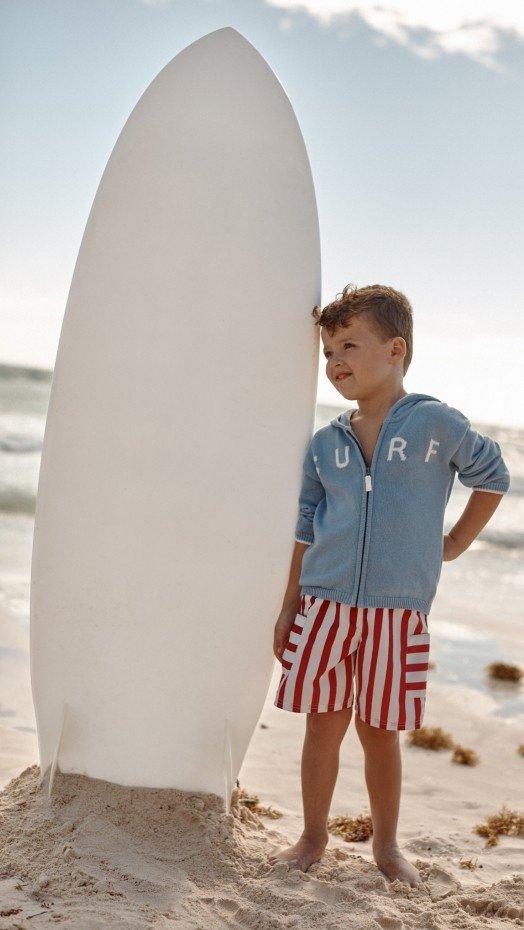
(319, 770)
(383, 771)
(319, 767)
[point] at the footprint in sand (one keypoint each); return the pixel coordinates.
(440, 883)
(331, 894)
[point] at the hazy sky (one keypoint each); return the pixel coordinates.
(412, 115)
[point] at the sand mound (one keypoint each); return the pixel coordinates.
(98, 855)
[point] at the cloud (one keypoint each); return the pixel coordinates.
(428, 28)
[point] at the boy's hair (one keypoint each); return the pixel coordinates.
(388, 311)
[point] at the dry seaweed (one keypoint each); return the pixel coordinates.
(505, 823)
(252, 801)
(504, 672)
(464, 756)
(351, 829)
(431, 738)
(468, 863)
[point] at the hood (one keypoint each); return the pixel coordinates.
(396, 411)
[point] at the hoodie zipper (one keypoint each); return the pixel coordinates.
(368, 488)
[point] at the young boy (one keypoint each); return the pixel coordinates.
(367, 560)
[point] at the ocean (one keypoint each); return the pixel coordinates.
(476, 617)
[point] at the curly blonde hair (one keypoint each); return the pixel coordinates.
(388, 311)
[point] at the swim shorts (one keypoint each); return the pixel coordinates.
(385, 650)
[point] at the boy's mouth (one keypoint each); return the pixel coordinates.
(342, 376)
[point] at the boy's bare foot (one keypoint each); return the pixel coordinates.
(302, 854)
(393, 864)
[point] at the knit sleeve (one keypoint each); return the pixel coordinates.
(479, 463)
(311, 493)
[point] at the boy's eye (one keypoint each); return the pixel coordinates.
(346, 344)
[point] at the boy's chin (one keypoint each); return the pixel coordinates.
(347, 392)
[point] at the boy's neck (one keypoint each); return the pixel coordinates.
(376, 408)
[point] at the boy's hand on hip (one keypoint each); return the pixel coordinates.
(281, 634)
(451, 549)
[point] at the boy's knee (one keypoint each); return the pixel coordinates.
(328, 725)
(370, 734)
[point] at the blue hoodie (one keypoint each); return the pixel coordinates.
(375, 533)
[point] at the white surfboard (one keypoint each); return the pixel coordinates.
(182, 401)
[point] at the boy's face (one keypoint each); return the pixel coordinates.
(367, 364)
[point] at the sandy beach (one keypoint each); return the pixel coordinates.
(100, 855)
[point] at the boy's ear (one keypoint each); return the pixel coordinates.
(399, 346)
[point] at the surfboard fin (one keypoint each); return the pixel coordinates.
(228, 766)
(52, 767)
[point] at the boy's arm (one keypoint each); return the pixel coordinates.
(480, 466)
(291, 602)
(478, 511)
(311, 493)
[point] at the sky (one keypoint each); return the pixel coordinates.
(412, 115)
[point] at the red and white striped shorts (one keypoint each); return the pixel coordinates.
(386, 650)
